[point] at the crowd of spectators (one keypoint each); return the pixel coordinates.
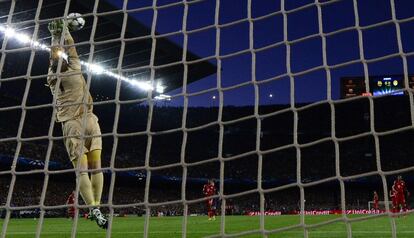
(28, 189)
(238, 148)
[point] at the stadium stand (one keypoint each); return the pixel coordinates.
(279, 168)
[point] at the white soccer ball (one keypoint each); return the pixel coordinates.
(75, 21)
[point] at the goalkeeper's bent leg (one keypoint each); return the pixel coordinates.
(97, 179)
(85, 186)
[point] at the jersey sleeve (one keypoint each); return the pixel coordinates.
(73, 57)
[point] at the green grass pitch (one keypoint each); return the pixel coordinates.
(164, 227)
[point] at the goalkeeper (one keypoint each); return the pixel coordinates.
(74, 112)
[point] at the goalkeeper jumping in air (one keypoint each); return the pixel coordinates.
(74, 112)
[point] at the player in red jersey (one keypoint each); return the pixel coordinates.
(71, 209)
(376, 199)
(209, 189)
(401, 191)
(393, 196)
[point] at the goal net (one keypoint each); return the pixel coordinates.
(295, 109)
(382, 206)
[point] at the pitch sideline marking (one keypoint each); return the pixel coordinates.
(195, 232)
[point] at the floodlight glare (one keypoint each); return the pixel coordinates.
(96, 69)
(163, 97)
(23, 38)
(160, 88)
(143, 85)
(62, 55)
(35, 44)
(93, 68)
(9, 32)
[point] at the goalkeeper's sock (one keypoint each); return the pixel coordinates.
(97, 181)
(85, 188)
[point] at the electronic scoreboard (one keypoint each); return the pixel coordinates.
(379, 85)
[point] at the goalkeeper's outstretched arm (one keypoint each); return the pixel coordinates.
(70, 48)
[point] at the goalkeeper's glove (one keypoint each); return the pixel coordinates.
(55, 27)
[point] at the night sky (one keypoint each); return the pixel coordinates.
(310, 87)
(306, 54)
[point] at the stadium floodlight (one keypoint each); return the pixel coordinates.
(10, 32)
(23, 38)
(144, 85)
(160, 88)
(93, 68)
(163, 97)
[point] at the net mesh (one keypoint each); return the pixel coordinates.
(381, 205)
(258, 117)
